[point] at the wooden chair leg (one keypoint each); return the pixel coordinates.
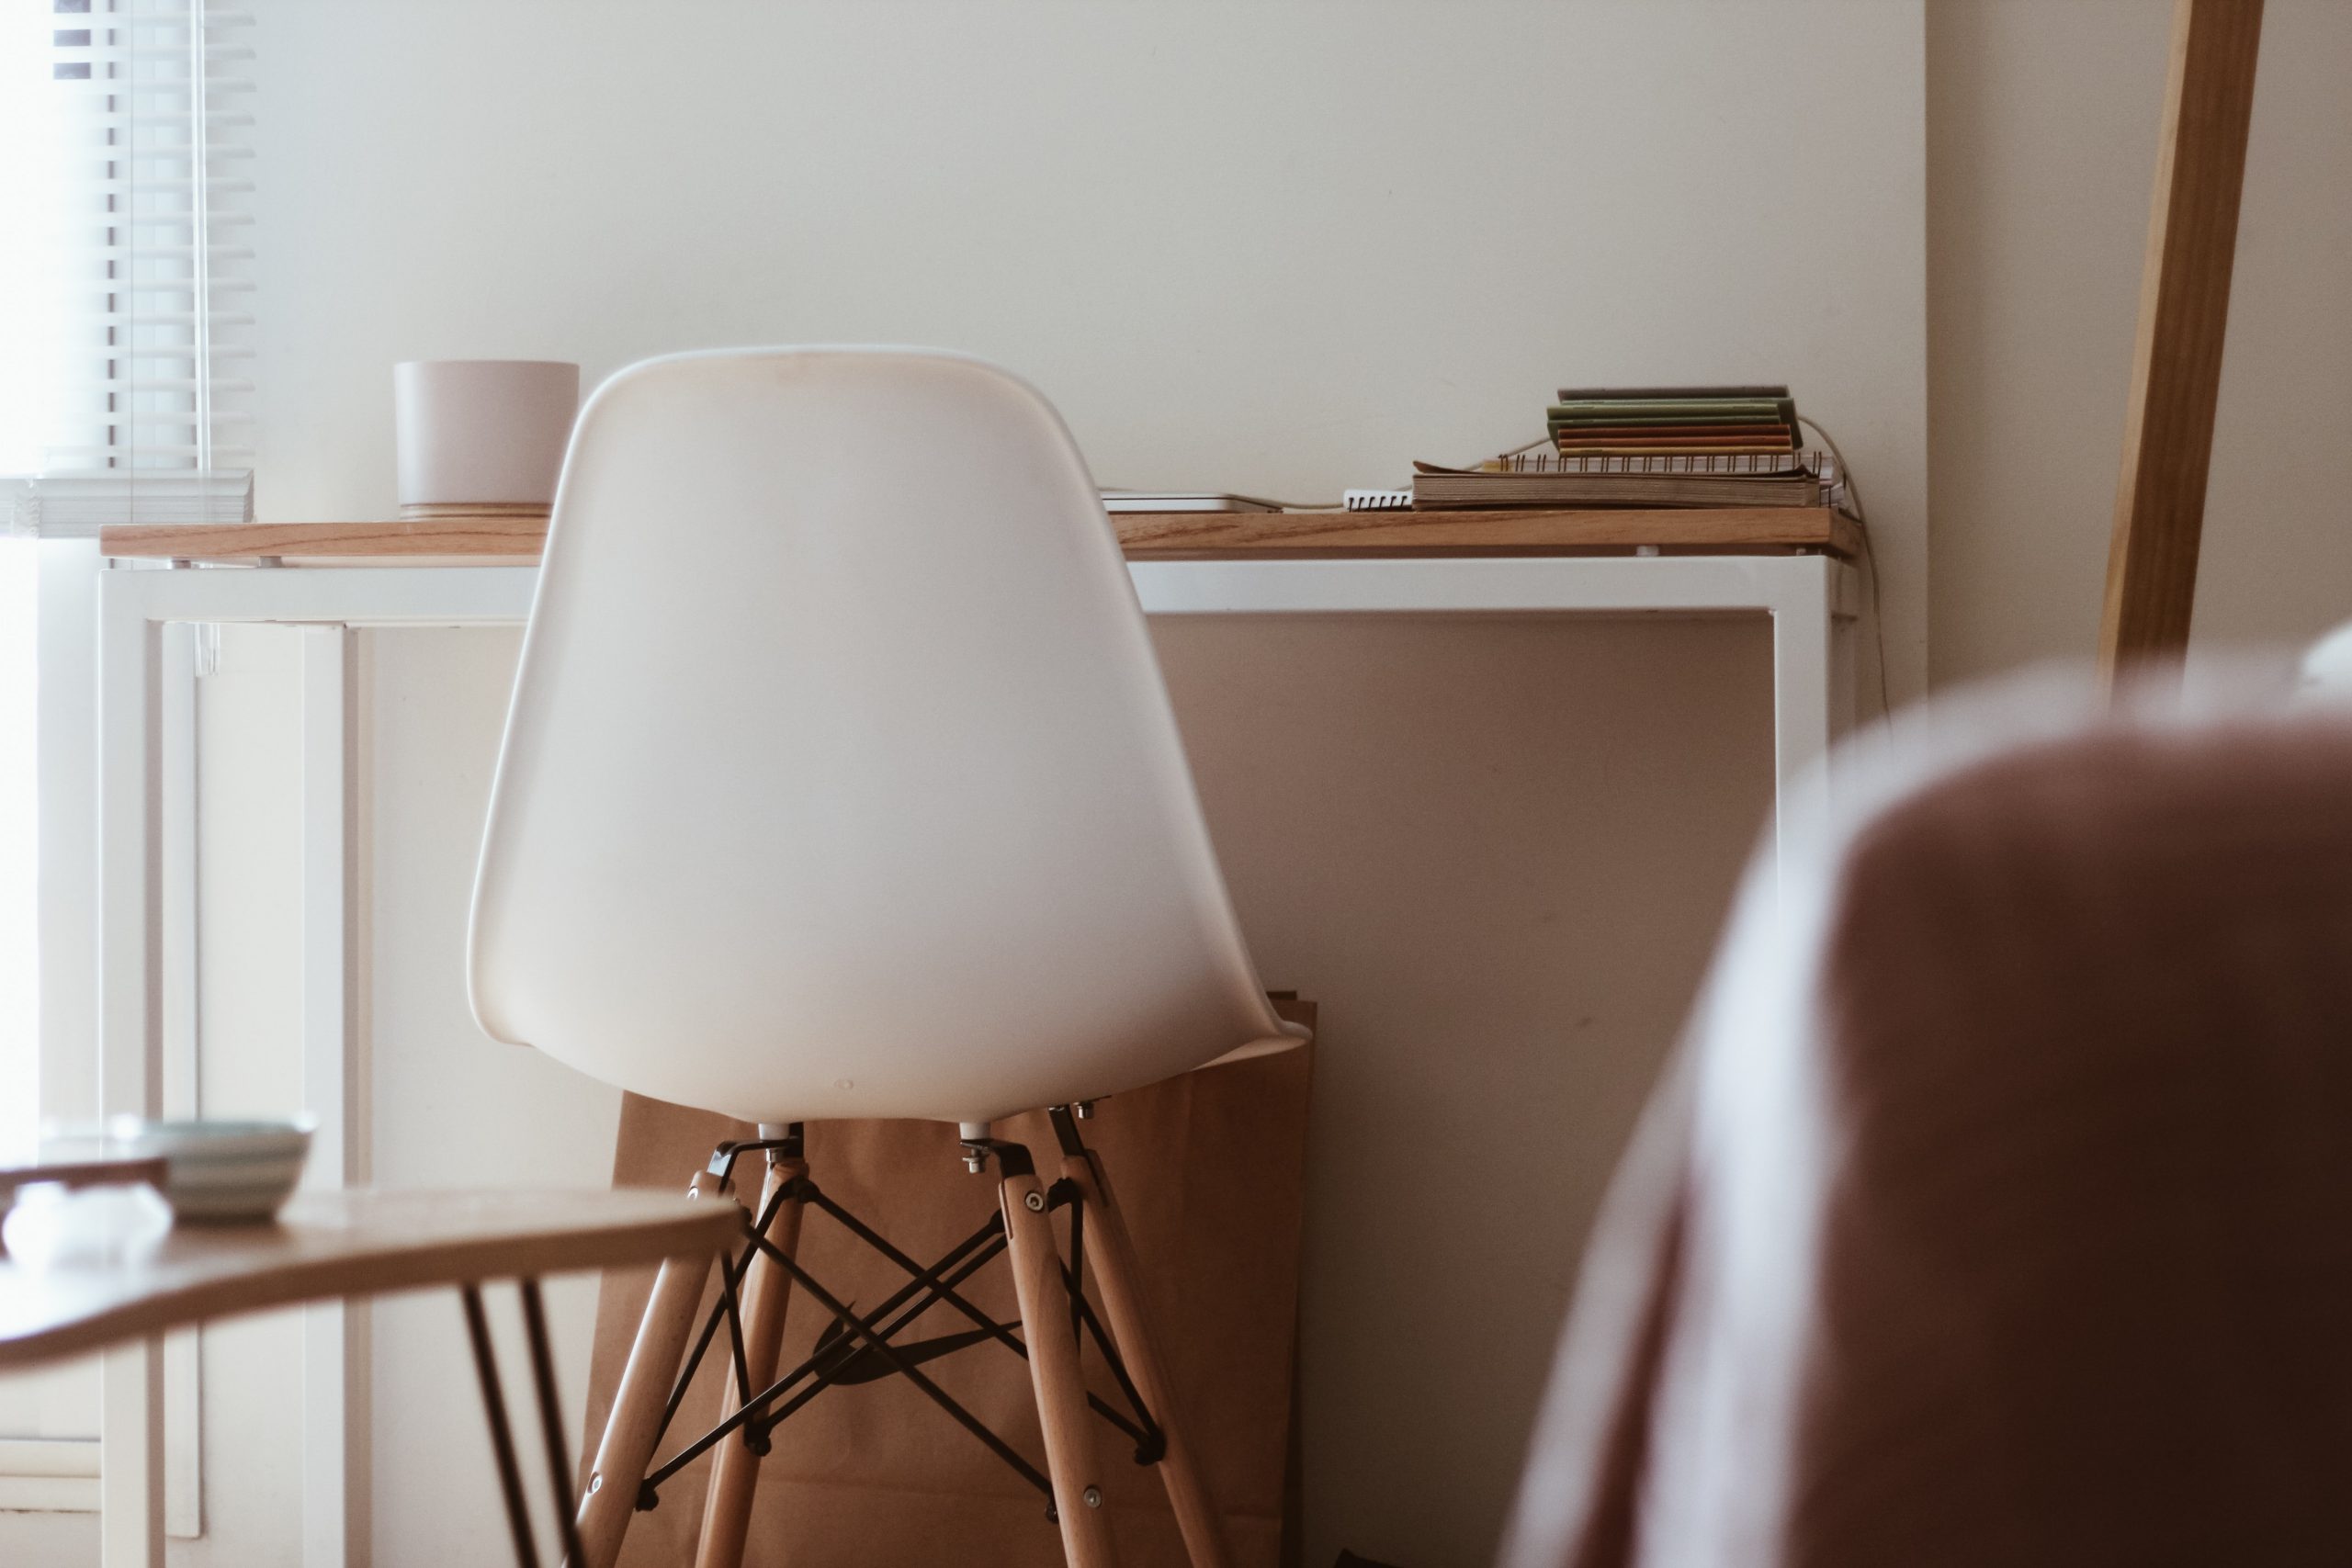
(1111, 1258)
(735, 1468)
(627, 1450)
(1073, 1457)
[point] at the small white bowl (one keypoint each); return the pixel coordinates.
(221, 1172)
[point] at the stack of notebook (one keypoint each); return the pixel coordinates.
(1646, 420)
(1651, 446)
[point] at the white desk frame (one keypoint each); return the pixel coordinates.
(146, 905)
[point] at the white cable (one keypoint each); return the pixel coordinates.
(1869, 555)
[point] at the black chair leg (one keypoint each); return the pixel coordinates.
(501, 1435)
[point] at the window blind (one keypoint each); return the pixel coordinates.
(153, 139)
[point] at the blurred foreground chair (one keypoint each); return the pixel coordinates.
(839, 781)
(1999, 1209)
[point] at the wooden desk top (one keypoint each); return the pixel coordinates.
(1145, 536)
(331, 1245)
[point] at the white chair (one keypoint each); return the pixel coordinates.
(839, 781)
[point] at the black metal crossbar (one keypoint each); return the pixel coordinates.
(903, 1367)
(1150, 1441)
(1074, 1269)
(848, 1351)
(835, 1372)
(925, 1279)
(973, 1253)
(731, 1271)
(1142, 1430)
(730, 1303)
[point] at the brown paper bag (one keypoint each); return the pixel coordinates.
(1209, 1169)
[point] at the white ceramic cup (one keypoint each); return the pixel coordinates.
(473, 432)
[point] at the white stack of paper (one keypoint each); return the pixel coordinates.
(1183, 500)
(76, 506)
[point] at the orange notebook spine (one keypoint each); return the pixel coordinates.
(1764, 432)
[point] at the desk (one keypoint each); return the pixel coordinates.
(345, 1244)
(1477, 564)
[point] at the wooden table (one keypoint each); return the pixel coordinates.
(1793, 567)
(338, 1245)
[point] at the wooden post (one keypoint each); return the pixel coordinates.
(735, 1467)
(2184, 312)
(1114, 1258)
(1073, 1457)
(626, 1452)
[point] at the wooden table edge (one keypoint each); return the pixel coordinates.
(1143, 536)
(301, 1281)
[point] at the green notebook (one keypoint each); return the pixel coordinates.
(1670, 394)
(1725, 411)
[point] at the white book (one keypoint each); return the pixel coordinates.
(1183, 500)
(76, 506)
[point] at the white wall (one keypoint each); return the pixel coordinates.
(450, 1107)
(2042, 151)
(1284, 246)
(1274, 247)
(1288, 247)
(1501, 878)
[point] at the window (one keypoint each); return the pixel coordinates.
(125, 347)
(31, 283)
(135, 262)
(29, 318)
(19, 954)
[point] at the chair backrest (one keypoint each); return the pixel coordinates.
(839, 780)
(1996, 1210)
